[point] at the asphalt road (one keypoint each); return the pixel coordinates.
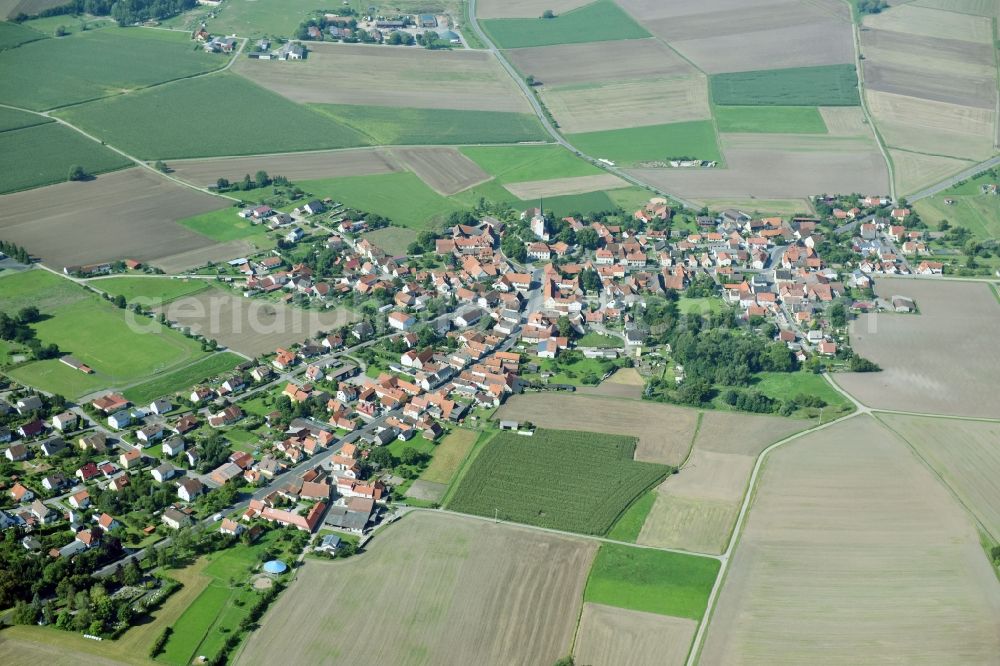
(963, 175)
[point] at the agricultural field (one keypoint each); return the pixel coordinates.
(149, 290)
(391, 77)
(965, 457)
(555, 187)
(653, 143)
(225, 225)
(549, 479)
(186, 377)
(11, 119)
(45, 154)
(614, 85)
(931, 85)
(514, 164)
(13, 35)
(392, 125)
(490, 9)
(940, 361)
(444, 170)
(651, 581)
(878, 536)
(442, 590)
(250, 326)
(609, 635)
(39, 288)
(598, 21)
(733, 36)
(276, 124)
(665, 432)
(780, 166)
(831, 85)
(393, 240)
(97, 63)
(70, 223)
(770, 119)
(11, 8)
(629, 524)
(449, 455)
(295, 167)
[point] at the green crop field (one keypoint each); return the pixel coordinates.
(653, 581)
(179, 380)
(560, 479)
(599, 21)
(226, 225)
(979, 213)
(252, 120)
(627, 527)
(402, 197)
(827, 85)
(516, 164)
(13, 119)
(13, 35)
(391, 126)
(153, 290)
(770, 119)
(655, 143)
(97, 63)
(45, 153)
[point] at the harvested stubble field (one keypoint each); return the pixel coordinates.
(442, 590)
(664, 431)
(488, 9)
(788, 166)
(941, 361)
(251, 326)
(770, 119)
(295, 167)
(45, 153)
(914, 171)
(695, 509)
(845, 120)
(555, 187)
(873, 562)
(123, 215)
(546, 480)
(97, 63)
(935, 55)
(933, 23)
(964, 454)
(978, 7)
(610, 636)
(445, 170)
(769, 35)
(942, 86)
(366, 76)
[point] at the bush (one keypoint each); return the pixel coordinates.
(861, 364)
(160, 641)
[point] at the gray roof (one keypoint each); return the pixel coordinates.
(339, 516)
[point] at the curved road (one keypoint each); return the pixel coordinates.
(547, 124)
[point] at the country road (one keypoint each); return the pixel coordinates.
(962, 175)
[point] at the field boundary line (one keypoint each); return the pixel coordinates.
(951, 490)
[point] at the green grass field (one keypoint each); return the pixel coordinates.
(393, 240)
(770, 119)
(699, 305)
(262, 17)
(179, 380)
(628, 526)
(11, 119)
(252, 120)
(572, 373)
(97, 63)
(979, 213)
(827, 85)
(787, 385)
(972, 185)
(45, 153)
(575, 481)
(402, 197)
(599, 21)
(40, 288)
(226, 225)
(448, 455)
(653, 581)
(695, 139)
(71, 24)
(516, 164)
(157, 290)
(13, 35)
(600, 340)
(390, 125)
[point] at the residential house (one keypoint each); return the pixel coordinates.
(65, 421)
(120, 420)
(189, 489)
(160, 407)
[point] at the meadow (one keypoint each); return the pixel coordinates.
(654, 143)
(254, 120)
(788, 385)
(516, 164)
(448, 455)
(97, 63)
(13, 35)
(39, 288)
(393, 240)
(225, 225)
(186, 377)
(45, 153)
(391, 125)
(653, 581)
(11, 119)
(770, 119)
(600, 340)
(599, 21)
(979, 213)
(828, 85)
(150, 289)
(574, 481)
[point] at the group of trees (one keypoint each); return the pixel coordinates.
(18, 329)
(125, 12)
(260, 179)
(16, 252)
(872, 6)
